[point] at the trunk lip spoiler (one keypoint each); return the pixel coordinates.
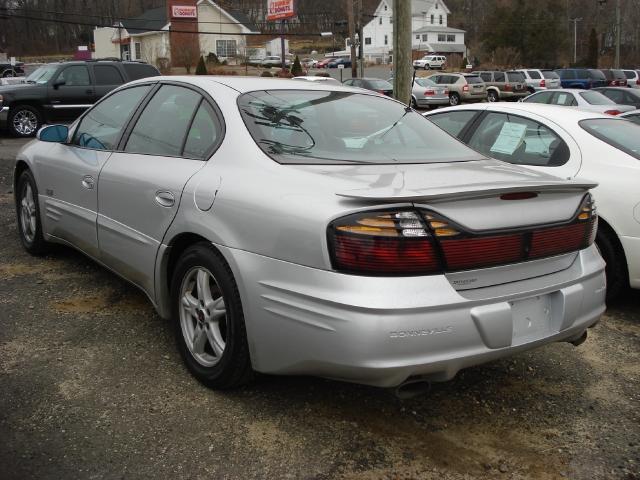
(463, 192)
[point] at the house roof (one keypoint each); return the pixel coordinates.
(242, 18)
(437, 29)
(420, 7)
(154, 19)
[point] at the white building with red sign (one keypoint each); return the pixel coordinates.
(280, 10)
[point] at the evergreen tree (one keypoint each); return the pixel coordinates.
(201, 69)
(296, 69)
(592, 55)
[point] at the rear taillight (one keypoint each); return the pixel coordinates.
(613, 112)
(543, 83)
(638, 81)
(465, 88)
(428, 93)
(613, 83)
(417, 242)
(507, 87)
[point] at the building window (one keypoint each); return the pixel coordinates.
(424, 37)
(367, 40)
(380, 20)
(440, 19)
(385, 8)
(226, 48)
(432, 18)
(386, 40)
(417, 37)
(442, 37)
(436, 5)
(451, 38)
(138, 51)
(390, 19)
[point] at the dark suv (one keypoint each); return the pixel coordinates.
(8, 70)
(61, 92)
(581, 78)
(615, 78)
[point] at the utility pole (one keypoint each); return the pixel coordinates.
(402, 61)
(352, 39)
(618, 34)
(575, 38)
(360, 37)
(283, 58)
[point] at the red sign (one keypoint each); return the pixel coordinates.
(279, 9)
(178, 11)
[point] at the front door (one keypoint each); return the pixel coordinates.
(69, 172)
(70, 93)
(140, 189)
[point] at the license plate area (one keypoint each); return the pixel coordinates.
(532, 319)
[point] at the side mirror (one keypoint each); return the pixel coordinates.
(53, 134)
(58, 83)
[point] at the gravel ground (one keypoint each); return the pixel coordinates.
(92, 387)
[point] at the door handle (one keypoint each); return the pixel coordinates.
(165, 198)
(88, 182)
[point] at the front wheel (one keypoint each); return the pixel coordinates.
(28, 215)
(454, 99)
(24, 121)
(209, 322)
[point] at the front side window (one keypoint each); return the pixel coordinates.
(226, 48)
(453, 122)
(75, 76)
(162, 127)
(42, 75)
(623, 135)
(328, 127)
(518, 140)
(101, 127)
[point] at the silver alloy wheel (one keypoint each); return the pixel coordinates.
(25, 122)
(28, 213)
(454, 100)
(203, 316)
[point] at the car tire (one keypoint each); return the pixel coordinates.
(414, 103)
(427, 66)
(454, 99)
(9, 73)
(24, 121)
(208, 319)
(492, 96)
(28, 215)
(616, 269)
(531, 90)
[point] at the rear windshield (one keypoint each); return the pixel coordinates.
(473, 79)
(630, 74)
(595, 98)
(334, 127)
(618, 74)
(425, 82)
(597, 75)
(136, 71)
(380, 85)
(620, 134)
(550, 75)
(515, 76)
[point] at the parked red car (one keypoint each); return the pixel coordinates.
(324, 62)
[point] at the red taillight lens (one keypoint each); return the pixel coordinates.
(507, 87)
(638, 81)
(428, 93)
(468, 253)
(543, 83)
(465, 88)
(613, 112)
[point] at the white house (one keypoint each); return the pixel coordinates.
(430, 31)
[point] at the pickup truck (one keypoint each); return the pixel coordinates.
(61, 92)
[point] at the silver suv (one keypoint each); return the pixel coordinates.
(504, 85)
(462, 87)
(540, 79)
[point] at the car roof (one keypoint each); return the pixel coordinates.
(553, 112)
(632, 112)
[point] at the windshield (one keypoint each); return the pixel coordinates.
(595, 98)
(331, 127)
(620, 134)
(380, 85)
(42, 74)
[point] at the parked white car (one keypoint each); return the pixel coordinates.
(322, 80)
(633, 116)
(633, 78)
(429, 62)
(583, 99)
(569, 143)
(537, 79)
(275, 61)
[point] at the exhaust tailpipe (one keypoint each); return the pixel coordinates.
(412, 388)
(580, 340)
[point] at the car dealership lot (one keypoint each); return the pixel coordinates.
(93, 387)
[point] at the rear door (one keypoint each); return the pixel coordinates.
(70, 93)
(140, 188)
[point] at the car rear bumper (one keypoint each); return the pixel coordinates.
(429, 101)
(4, 115)
(383, 330)
(631, 246)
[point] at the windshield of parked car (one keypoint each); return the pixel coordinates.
(595, 98)
(597, 75)
(380, 85)
(42, 75)
(618, 133)
(550, 75)
(336, 127)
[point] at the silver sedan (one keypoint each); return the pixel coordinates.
(287, 227)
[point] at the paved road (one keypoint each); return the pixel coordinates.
(92, 387)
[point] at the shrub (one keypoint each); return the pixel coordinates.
(296, 68)
(266, 73)
(284, 73)
(201, 69)
(323, 74)
(212, 58)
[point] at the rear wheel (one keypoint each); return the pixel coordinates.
(209, 322)
(24, 121)
(492, 96)
(454, 99)
(28, 215)
(414, 103)
(616, 269)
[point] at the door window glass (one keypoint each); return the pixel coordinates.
(519, 140)
(75, 76)
(498, 77)
(100, 128)
(453, 122)
(564, 99)
(614, 95)
(204, 133)
(486, 76)
(542, 97)
(107, 75)
(162, 127)
(136, 71)
(534, 75)
(633, 118)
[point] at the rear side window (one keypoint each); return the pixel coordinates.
(519, 140)
(136, 71)
(485, 76)
(473, 79)
(101, 127)
(515, 77)
(534, 75)
(204, 134)
(564, 99)
(550, 75)
(596, 75)
(498, 76)
(630, 74)
(162, 127)
(453, 122)
(542, 97)
(595, 98)
(107, 75)
(622, 135)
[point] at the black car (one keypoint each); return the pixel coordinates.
(61, 92)
(615, 78)
(375, 84)
(621, 95)
(8, 70)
